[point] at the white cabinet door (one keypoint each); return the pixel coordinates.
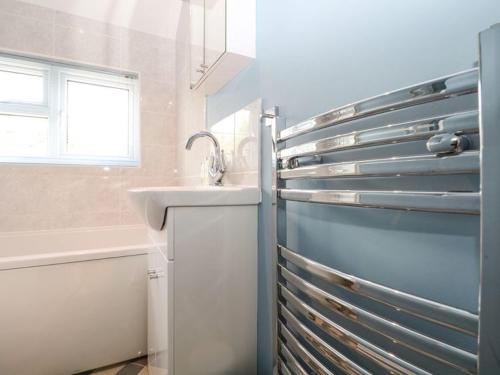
(215, 290)
(159, 272)
(215, 31)
(197, 39)
(208, 35)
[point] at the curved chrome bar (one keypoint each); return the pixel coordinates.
(454, 85)
(283, 369)
(459, 203)
(466, 122)
(290, 361)
(386, 360)
(448, 316)
(300, 351)
(440, 351)
(419, 165)
(332, 355)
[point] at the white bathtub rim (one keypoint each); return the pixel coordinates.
(72, 230)
(48, 259)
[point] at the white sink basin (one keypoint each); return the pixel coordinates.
(153, 201)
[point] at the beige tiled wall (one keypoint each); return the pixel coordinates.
(36, 197)
(238, 137)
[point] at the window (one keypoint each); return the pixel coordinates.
(57, 113)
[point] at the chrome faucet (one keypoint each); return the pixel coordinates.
(217, 166)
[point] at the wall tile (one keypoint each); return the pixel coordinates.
(23, 9)
(87, 25)
(158, 128)
(157, 97)
(19, 222)
(86, 46)
(26, 34)
(149, 55)
(130, 217)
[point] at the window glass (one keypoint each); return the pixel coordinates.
(97, 120)
(23, 135)
(21, 87)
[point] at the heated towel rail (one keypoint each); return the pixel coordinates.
(318, 307)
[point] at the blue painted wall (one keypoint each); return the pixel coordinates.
(315, 55)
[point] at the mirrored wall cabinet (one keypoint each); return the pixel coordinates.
(222, 41)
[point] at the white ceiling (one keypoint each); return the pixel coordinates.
(159, 17)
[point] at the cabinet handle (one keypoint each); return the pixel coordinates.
(155, 274)
(203, 68)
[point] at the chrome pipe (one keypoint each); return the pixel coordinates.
(290, 361)
(448, 316)
(300, 351)
(489, 285)
(440, 351)
(419, 165)
(465, 122)
(460, 203)
(332, 355)
(462, 83)
(388, 361)
(283, 369)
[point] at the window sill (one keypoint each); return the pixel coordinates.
(69, 161)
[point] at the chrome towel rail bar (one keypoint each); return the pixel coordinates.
(451, 317)
(466, 122)
(450, 202)
(440, 351)
(290, 362)
(300, 351)
(467, 162)
(283, 369)
(332, 355)
(384, 359)
(454, 85)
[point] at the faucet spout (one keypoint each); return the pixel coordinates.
(202, 134)
(217, 165)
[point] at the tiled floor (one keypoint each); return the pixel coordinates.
(135, 367)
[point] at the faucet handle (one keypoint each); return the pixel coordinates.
(211, 164)
(222, 166)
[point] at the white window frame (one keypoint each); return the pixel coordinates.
(30, 68)
(56, 75)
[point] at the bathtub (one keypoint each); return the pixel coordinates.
(72, 300)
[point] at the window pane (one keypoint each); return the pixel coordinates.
(23, 136)
(21, 88)
(98, 120)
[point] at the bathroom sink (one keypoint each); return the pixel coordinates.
(151, 202)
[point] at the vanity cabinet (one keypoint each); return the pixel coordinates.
(222, 41)
(202, 300)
